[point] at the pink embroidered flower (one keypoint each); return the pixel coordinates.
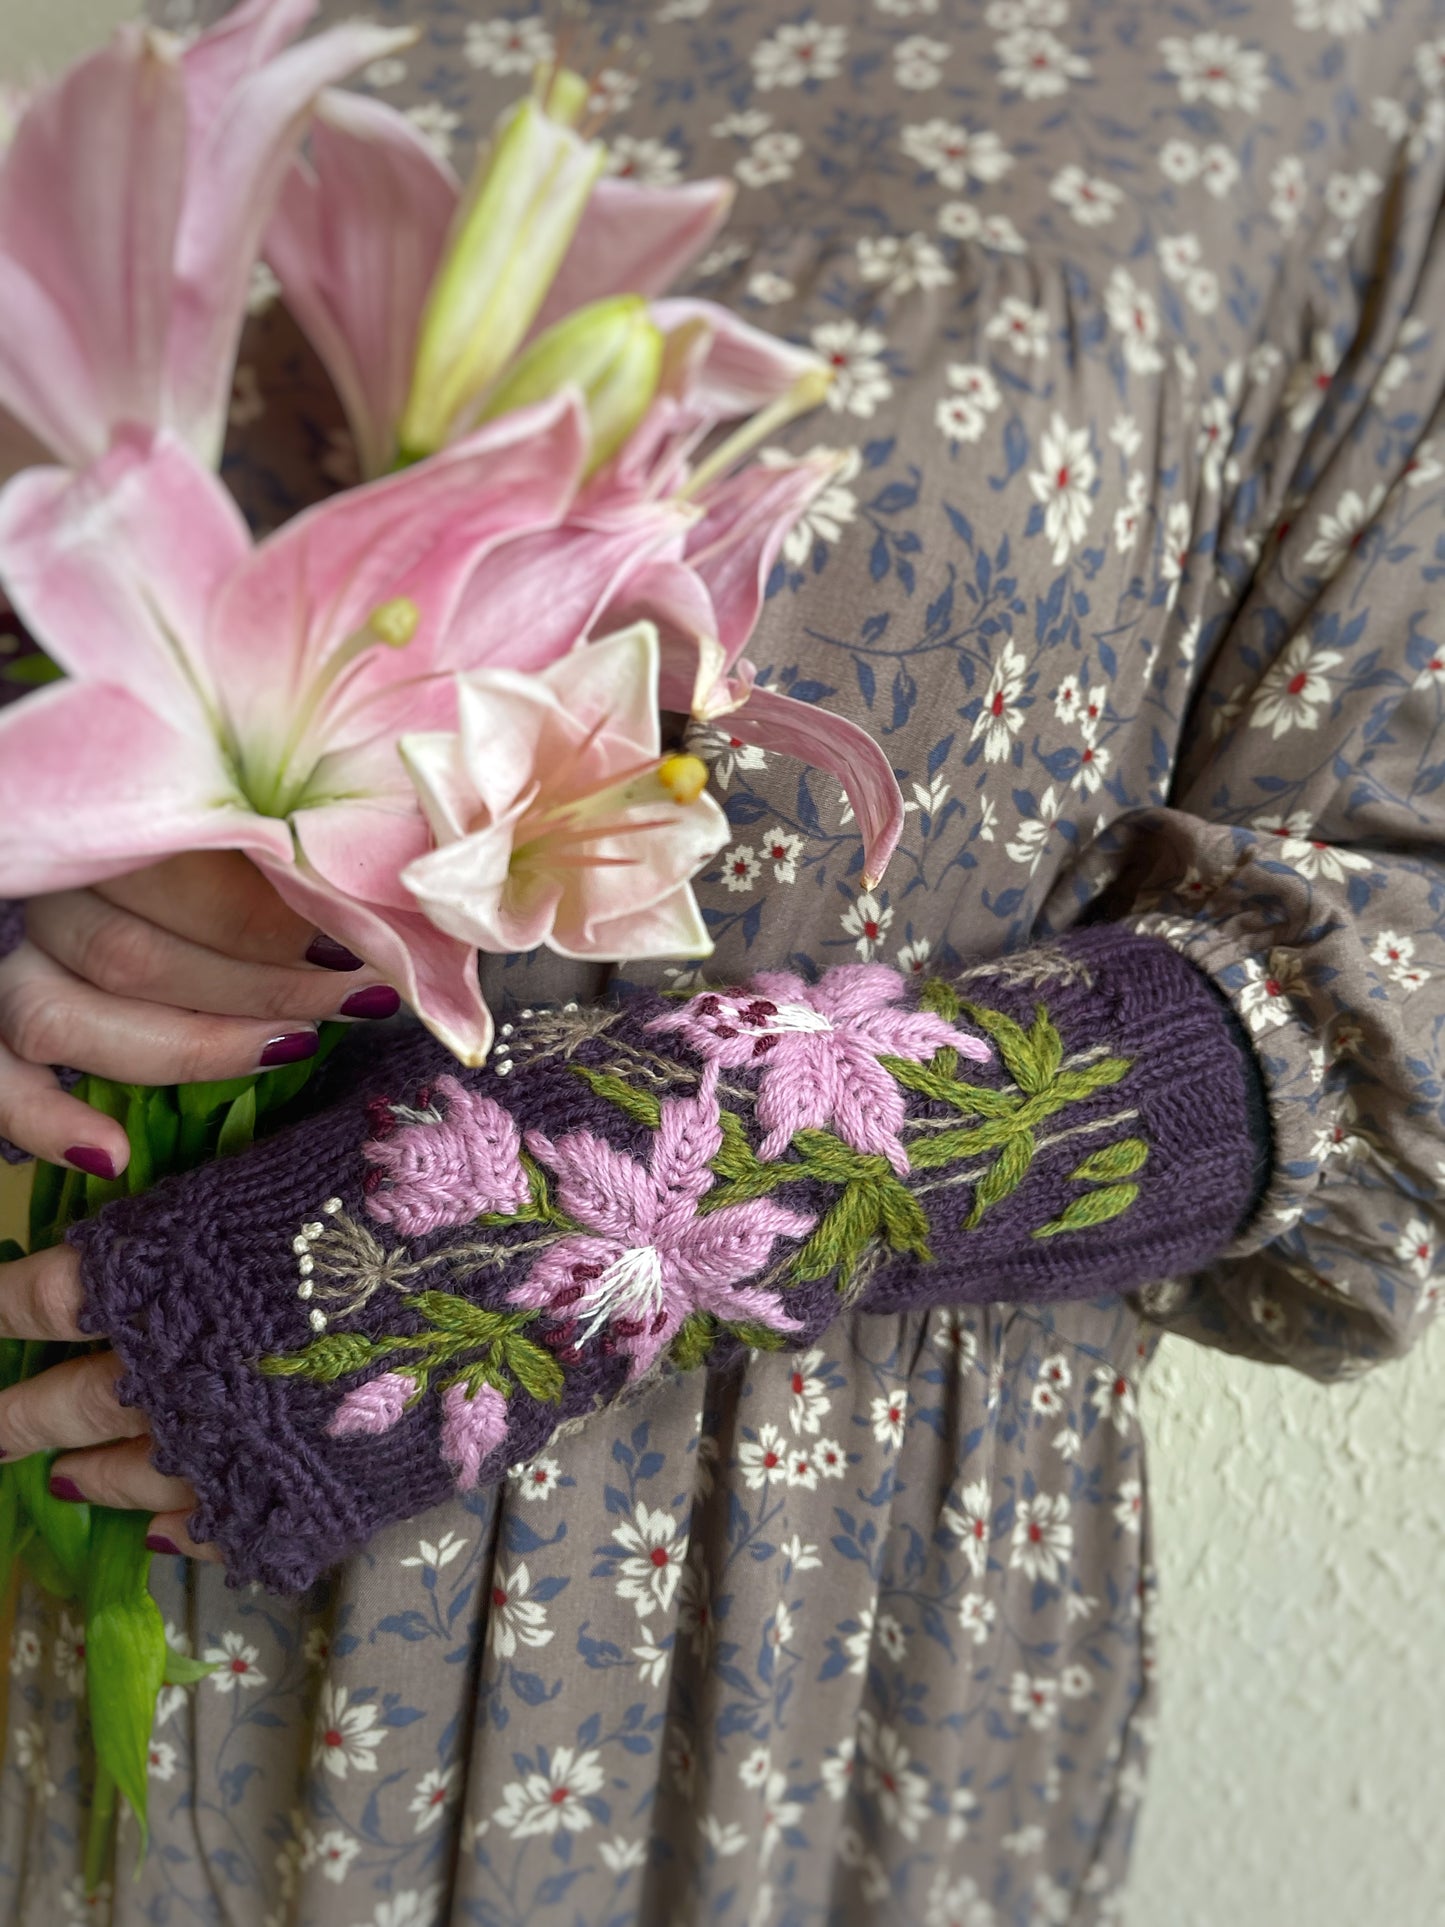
(472, 1429)
(372, 1408)
(457, 1154)
(818, 1047)
(645, 1259)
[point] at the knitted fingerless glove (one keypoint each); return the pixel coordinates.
(410, 1292)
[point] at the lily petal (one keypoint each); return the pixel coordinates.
(113, 570)
(436, 974)
(834, 744)
(743, 368)
(234, 174)
(218, 60)
(355, 241)
(635, 240)
(90, 198)
(93, 783)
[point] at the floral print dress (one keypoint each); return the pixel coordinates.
(1134, 568)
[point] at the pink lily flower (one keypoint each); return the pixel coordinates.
(442, 1164)
(557, 819)
(231, 695)
(373, 1408)
(133, 198)
(818, 1046)
(645, 1259)
(363, 224)
(372, 208)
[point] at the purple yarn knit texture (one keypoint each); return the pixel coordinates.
(409, 1293)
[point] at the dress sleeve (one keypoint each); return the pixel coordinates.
(411, 1291)
(1301, 861)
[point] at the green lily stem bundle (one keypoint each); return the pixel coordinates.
(89, 1556)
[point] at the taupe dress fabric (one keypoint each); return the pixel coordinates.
(1135, 571)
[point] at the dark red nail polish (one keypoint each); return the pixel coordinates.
(377, 1000)
(289, 1049)
(328, 954)
(67, 1489)
(158, 1542)
(90, 1159)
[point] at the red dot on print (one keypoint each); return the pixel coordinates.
(499, 1597)
(1271, 985)
(659, 1556)
(1036, 1532)
(1062, 478)
(771, 1459)
(331, 1736)
(797, 1382)
(1121, 1385)
(997, 704)
(559, 1794)
(870, 931)
(237, 1665)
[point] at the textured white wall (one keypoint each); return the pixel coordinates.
(1300, 1546)
(1300, 1539)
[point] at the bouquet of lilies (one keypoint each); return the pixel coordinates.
(429, 707)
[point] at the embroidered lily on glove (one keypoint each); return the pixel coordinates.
(644, 1257)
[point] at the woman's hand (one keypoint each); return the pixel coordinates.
(189, 970)
(73, 1408)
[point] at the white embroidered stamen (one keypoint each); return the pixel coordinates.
(331, 1207)
(318, 1321)
(301, 1243)
(795, 1017)
(306, 1266)
(313, 1230)
(631, 1287)
(305, 1288)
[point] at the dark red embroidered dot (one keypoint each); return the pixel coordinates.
(724, 1030)
(568, 1295)
(762, 1045)
(629, 1327)
(587, 1272)
(707, 1006)
(372, 1182)
(760, 1011)
(424, 1097)
(658, 1322)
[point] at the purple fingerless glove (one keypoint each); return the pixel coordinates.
(409, 1293)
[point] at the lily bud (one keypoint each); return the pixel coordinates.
(612, 351)
(512, 230)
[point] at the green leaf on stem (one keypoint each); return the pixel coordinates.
(325, 1359)
(62, 1528)
(239, 1126)
(125, 1652)
(1115, 1161)
(182, 1670)
(1095, 1207)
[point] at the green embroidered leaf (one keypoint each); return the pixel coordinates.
(905, 1222)
(761, 1338)
(932, 1153)
(844, 1234)
(694, 1341)
(535, 1369)
(325, 1359)
(1119, 1160)
(1046, 1044)
(736, 1158)
(1070, 1086)
(1095, 1207)
(1015, 1047)
(460, 1318)
(970, 1100)
(1003, 1177)
(483, 1372)
(829, 1158)
(239, 1126)
(941, 998)
(641, 1106)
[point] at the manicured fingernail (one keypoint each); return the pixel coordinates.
(377, 1000)
(328, 954)
(289, 1049)
(63, 1488)
(158, 1542)
(90, 1159)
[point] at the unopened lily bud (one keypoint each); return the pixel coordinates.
(512, 230)
(394, 622)
(612, 351)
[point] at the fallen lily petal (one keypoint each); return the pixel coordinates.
(556, 818)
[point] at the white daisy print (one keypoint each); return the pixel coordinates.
(554, 1797)
(855, 355)
(798, 53)
(508, 46)
(1038, 65)
(830, 511)
(868, 922)
(741, 868)
(1043, 1537)
(346, 1734)
(763, 1459)
(1025, 329)
(889, 1416)
(657, 1552)
(1091, 200)
(969, 1522)
(1217, 68)
(1294, 689)
(1134, 314)
(1064, 484)
(431, 1796)
(976, 1615)
(954, 155)
(651, 163)
(903, 263)
(235, 1664)
(1339, 533)
(515, 1619)
(1002, 712)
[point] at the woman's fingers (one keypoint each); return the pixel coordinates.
(48, 1016)
(49, 1123)
(130, 956)
(41, 1297)
(168, 1534)
(220, 899)
(72, 1404)
(121, 1476)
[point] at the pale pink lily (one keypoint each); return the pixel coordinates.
(362, 227)
(645, 1259)
(556, 818)
(373, 1408)
(473, 1426)
(133, 198)
(372, 208)
(220, 695)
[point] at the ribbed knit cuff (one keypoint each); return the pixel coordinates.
(408, 1294)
